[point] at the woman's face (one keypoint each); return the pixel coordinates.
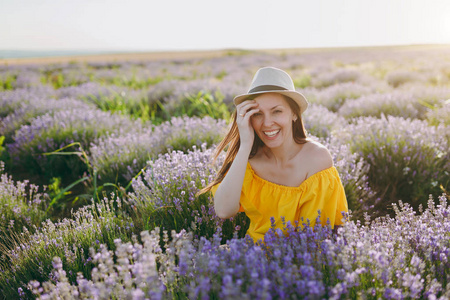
(273, 122)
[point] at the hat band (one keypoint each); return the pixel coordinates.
(262, 88)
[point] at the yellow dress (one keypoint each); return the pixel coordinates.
(262, 199)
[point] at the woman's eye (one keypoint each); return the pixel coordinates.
(277, 111)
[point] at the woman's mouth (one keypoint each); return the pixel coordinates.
(271, 133)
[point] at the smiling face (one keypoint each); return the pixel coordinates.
(273, 123)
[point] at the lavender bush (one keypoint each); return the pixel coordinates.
(353, 172)
(65, 75)
(161, 90)
(115, 99)
(28, 78)
(319, 121)
(21, 205)
(164, 196)
(12, 100)
(196, 98)
(183, 133)
(426, 95)
(55, 130)
(118, 158)
(440, 114)
(399, 77)
(333, 97)
(24, 114)
(156, 104)
(384, 259)
(326, 79)
(394, 104)
(86, 90)
(408, 159)
(30, 256)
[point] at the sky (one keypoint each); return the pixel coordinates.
(148, 25)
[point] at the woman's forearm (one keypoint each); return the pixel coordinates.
(228, 194)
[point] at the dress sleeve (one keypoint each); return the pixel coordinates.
(324, 193)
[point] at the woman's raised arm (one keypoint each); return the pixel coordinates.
(228, 194)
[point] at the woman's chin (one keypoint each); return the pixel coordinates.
(272, 143)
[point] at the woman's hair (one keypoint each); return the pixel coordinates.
(232, 140)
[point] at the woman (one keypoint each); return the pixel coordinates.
(271, 169)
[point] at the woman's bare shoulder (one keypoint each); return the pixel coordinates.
(316, 157)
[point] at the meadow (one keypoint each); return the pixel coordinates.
(101, 162)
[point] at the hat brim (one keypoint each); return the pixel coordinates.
(294, 95)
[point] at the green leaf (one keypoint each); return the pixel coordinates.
(2, 140)
(54, 200)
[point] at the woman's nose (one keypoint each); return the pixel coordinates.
(268, 121)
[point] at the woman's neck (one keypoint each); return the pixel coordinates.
(284, 154)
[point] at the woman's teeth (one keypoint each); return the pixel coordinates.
(271, 133)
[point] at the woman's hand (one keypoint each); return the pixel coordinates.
(244, 111)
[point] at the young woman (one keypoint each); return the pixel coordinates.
(271, 169)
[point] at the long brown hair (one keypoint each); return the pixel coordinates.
(232, 140)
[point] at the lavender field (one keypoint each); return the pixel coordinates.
(100, 164)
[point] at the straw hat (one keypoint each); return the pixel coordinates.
(273, 80)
